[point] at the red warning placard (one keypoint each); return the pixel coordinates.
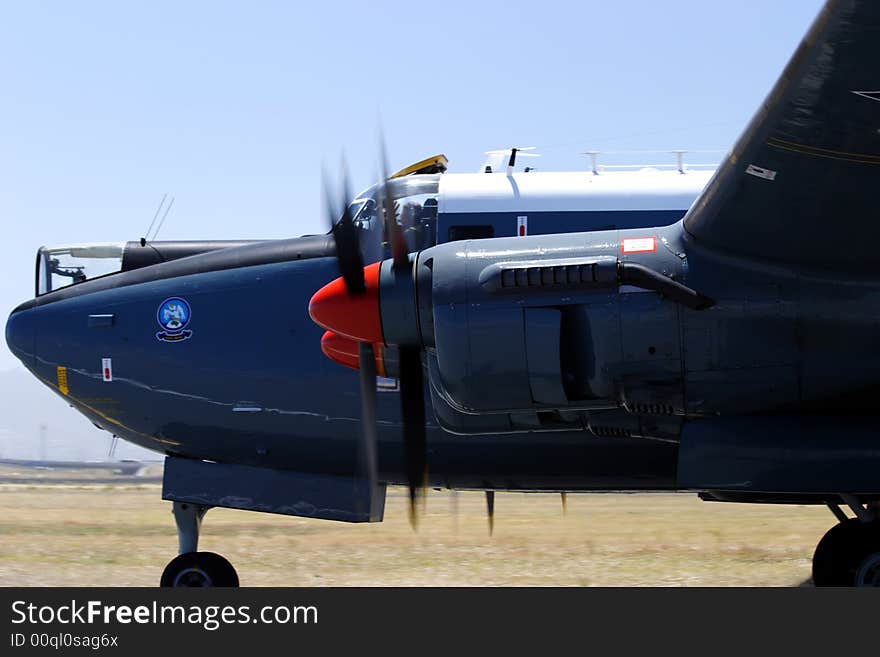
(638, 245)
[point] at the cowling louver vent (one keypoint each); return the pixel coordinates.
(592, 273)
(651, 409)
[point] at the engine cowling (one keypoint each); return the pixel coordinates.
(548, 337)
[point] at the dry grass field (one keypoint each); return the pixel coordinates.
(123, 534)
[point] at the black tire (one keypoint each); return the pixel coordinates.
(199, 569)
(846, 555)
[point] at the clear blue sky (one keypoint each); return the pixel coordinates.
(232, 107)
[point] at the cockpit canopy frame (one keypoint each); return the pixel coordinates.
(60, 266)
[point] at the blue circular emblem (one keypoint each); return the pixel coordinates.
(173, 315)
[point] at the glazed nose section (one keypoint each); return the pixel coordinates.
(21, 335)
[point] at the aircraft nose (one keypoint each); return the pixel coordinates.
(21, 335)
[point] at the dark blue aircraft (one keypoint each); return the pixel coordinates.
(731, 353)
(205, 352)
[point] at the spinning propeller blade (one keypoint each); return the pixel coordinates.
(369, 434)
(412, 406)
(412, 386)
(389, 212)
(490, 509)
(355, 315)
(351, 266)
(348, 252)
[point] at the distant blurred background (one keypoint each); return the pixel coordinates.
(36, 424)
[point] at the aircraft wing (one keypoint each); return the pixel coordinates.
(801, 185)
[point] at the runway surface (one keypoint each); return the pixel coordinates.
(122, 533)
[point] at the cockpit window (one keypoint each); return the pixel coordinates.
(355, 208)
(61, 266)
(415, 203)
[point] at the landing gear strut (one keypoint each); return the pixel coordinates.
(849, 553)
(190, 567)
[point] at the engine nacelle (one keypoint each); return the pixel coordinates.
(550, 336)
(542, 338)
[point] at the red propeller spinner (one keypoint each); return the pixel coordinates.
(344, 351)
(353, 316)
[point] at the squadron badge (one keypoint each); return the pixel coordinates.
(173, 316)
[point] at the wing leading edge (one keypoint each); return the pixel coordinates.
(802, 184)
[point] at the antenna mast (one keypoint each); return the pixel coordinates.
(155, 215)
(162, 221)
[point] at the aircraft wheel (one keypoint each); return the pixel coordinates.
(848, 555)
(199, 569)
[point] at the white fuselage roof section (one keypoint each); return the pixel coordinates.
(539, 191)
